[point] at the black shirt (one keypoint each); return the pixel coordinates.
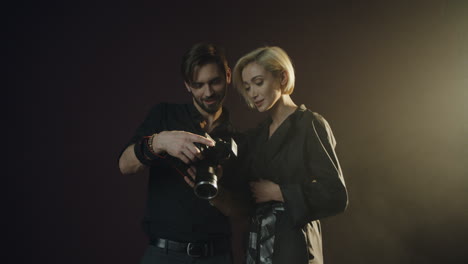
(173, 211)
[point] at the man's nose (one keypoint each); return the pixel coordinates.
(208, 90)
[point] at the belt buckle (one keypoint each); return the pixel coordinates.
(190, 250)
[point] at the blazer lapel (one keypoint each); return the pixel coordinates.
(277, 140)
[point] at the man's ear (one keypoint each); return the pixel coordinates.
(228, 76)
(188, 87)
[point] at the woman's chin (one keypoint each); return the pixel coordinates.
(261, 109)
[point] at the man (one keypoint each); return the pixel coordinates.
(180, 225)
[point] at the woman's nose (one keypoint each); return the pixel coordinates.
(252, 93)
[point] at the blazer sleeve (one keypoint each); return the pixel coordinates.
(322, 192)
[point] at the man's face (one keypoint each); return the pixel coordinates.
(209, 87)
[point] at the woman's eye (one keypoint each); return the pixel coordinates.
(259, 83)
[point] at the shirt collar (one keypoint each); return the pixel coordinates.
(299, 110)
(197, 117)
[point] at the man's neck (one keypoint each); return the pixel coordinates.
(210, 120)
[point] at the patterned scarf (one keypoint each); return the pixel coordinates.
(262, 233)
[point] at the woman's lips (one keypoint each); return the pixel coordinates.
(258, 103)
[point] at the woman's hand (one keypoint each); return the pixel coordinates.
(265, 190)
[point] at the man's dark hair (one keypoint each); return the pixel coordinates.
(199, 55)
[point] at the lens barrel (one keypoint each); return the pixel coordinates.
(206, 185)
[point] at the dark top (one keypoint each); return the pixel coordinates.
(173, 211)
(301, 159)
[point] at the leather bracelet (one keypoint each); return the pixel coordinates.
(140, 153)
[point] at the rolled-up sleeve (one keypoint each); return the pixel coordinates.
(153, 123)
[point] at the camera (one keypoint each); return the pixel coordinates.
(206, 181)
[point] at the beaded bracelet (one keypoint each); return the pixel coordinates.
(149, 141)
(148, 148)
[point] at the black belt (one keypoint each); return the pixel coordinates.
(194, 249)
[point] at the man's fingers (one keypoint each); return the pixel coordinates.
(195, 151)
(183, 158)
(191, 172)
(189, 181)
(219, 171)
(202, 140)
(182, 146)
(188, 153)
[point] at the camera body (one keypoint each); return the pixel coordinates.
(206, 181)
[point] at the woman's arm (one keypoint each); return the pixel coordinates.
(322, 192)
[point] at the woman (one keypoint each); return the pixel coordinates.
(295, 176)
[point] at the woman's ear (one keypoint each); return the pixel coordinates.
(284, 79)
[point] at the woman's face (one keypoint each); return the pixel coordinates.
(262, 88)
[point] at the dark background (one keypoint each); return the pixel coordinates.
(390, 77)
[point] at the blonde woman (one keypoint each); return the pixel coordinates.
(295, 177)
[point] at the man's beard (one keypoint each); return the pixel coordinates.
(214, 107)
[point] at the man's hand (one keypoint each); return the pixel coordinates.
(265, 190)
(180, 144)
(190, 178)
(192, 171)
(224, 201)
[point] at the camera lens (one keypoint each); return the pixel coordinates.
(206, 186)
(206, 190)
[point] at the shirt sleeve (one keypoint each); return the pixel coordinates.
(322, 192)
(153, 123)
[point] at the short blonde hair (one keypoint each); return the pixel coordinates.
(273, 59)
